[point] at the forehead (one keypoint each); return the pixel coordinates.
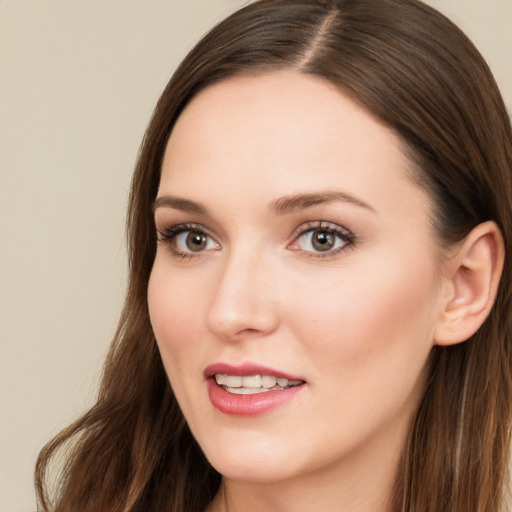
(283, 133)
(277, 111)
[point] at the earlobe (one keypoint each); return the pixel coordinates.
(472, 280)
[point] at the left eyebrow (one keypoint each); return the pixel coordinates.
(289, 204)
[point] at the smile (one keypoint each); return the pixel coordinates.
(250, 389)
(253, 384)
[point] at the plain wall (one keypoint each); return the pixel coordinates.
(78, 81)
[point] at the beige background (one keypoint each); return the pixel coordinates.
(78, 80)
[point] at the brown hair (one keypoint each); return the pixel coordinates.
(412, 68)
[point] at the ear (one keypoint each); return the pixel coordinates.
(470, 284)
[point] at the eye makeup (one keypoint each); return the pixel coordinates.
(321, 239)
(315, 239)
(187, 240)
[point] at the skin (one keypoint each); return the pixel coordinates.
(356, 323)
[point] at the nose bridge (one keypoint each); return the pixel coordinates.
(242, 302)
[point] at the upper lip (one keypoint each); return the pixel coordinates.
(245, 369)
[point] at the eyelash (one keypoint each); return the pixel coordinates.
(344, 235)
(169, 236)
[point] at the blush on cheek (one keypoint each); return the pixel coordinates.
(374, 314)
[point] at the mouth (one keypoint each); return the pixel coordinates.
(250, 390)
(254, 384)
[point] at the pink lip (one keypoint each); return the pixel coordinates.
(247, 405)
(245, 369)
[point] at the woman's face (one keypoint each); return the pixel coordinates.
(293, 245)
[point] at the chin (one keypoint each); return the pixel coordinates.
(258, 462)
(253, 471)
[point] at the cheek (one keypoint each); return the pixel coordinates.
(375, 321)
(366, 339)
(173, 307)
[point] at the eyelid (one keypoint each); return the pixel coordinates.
(320, 224)
(171, 231)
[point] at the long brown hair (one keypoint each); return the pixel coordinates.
(412, 68)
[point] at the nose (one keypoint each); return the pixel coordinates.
(244, 303)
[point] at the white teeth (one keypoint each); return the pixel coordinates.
(246, 391)
(252, 381)
(268, 381)
(250, 384)
(232, 381)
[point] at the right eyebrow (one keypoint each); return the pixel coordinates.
(178, 203)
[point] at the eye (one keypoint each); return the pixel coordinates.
(193, 241)
(321, 239)
(188, 240)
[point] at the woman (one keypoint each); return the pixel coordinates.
(318, 313)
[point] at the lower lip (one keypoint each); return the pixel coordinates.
(249, 405)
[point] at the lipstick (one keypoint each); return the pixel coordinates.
(232, 390)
